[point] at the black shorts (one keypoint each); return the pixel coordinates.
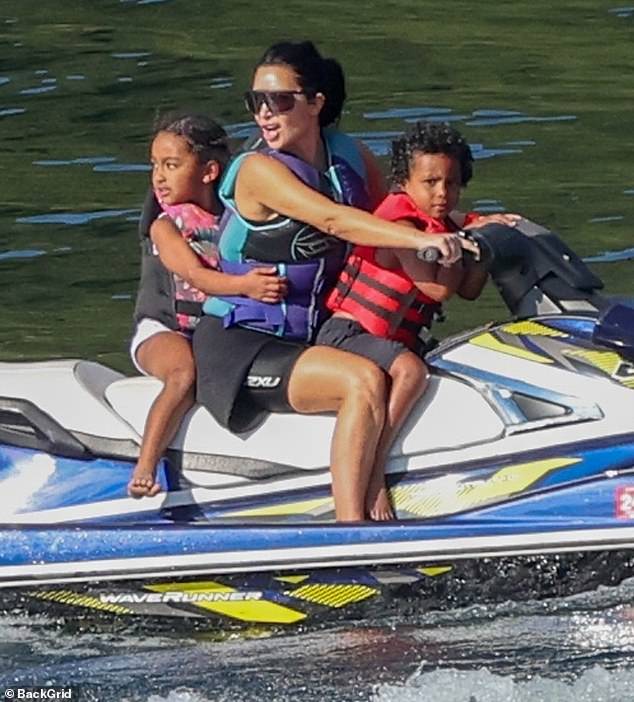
(242, 374)
(348, 335)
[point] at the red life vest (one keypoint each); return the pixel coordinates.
(385, 301)
(401, 206)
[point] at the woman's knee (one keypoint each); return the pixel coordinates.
(325, 379)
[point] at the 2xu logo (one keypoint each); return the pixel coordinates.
(263, 381)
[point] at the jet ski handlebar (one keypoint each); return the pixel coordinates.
(535, 272)
(431, 254)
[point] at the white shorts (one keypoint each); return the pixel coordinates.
(146, 329)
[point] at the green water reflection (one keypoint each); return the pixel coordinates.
(81, 81)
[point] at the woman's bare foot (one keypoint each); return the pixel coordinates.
(378, 504)
(143, 483)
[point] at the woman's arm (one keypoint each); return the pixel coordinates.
(266, 187)
(177, 256)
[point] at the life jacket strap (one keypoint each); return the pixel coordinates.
(248, 310)
(353, 271)
(189, 307)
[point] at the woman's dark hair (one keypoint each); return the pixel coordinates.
(206, 138)
(430, 138)
(315, 74)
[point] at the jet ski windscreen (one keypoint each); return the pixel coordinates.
(615, 329)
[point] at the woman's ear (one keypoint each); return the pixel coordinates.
(211, 172)
(318, 102)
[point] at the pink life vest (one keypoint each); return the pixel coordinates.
(199, 229)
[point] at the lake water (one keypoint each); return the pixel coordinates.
(542, 90)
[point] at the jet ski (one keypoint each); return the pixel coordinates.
(521, 450)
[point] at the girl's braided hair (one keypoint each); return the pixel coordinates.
(429, 138)
(206, 138)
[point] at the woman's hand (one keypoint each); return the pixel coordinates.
(449, 245)
(263, 284)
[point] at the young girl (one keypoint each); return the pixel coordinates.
(188, 153)
(386, 299)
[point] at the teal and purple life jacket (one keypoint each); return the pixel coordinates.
(309, 259)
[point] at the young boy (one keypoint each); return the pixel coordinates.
(385, 299)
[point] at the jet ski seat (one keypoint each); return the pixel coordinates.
(60, 407)
(82, 409)
(288, 442)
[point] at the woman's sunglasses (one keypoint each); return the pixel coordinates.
(276, 100)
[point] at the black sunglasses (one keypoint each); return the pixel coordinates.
(276, 100)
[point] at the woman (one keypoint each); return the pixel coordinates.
(290, 204)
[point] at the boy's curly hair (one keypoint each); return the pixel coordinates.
(429, 138)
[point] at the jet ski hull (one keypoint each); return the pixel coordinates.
(306, 597)
(550, 500)
(521, 451)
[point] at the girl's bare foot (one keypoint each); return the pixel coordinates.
(143, 483)
(378, 504)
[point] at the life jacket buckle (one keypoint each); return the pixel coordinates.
(424, 336)
(419, 306)
(439, 314)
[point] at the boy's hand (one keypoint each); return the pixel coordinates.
(500, 218)
(468, 244)
(263, 283)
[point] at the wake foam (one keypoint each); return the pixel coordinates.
(181, 694)
(597, 684)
